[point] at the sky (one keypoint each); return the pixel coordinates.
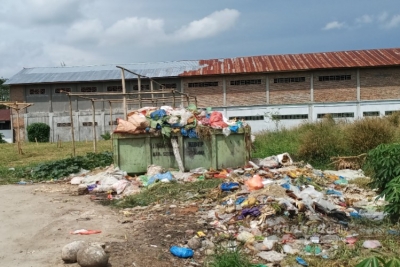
(52, 33)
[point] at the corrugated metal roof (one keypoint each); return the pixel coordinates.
(254, 64)
(5, 115)
(299, 62)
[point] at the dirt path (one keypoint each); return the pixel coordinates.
(36, 220)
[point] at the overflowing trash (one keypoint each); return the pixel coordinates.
(273, 206)
(167, 120)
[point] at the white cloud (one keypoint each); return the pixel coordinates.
(365, 19)
(43, 12)
(142, 30)
(211, 25)
(148, 31)
(86, 30)
(393, 22)
(334, 25)
(383, 16)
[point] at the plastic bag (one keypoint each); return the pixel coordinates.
(216, 120)
(163, 177)
(181, 252)
(254, 183)
(226, 131)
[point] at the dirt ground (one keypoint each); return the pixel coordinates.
(36, 221)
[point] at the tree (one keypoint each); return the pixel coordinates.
(4, 91)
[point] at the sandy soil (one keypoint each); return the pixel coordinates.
(36, 221)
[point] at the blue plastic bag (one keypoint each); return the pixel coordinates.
(229, 186)
(158, 114)
(234, 128)
(301, 261)
(333, 192)
(160, 176)
(181, 252)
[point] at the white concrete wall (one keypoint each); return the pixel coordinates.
(8, 135)
(83, 133)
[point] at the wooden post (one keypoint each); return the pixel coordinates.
(18, 133)
(173, 94)
(139, 91)
(94, 127)
(111, 123)
(124, 92)
(71, 119)
(151, 88)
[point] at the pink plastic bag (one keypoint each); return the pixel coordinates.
(254, 183)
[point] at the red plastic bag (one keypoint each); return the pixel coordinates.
(254, 183)
(216, 120)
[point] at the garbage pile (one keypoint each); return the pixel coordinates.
(167, 120)
(274, 206)
(278, 208)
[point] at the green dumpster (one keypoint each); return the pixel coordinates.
(134, 152)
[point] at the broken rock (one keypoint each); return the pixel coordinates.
(69, 251)
(92, 256)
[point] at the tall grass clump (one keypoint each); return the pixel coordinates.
(276, 142)
(367, 133)
(322, 140)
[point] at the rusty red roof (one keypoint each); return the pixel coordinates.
(5, 115)
(298, 62)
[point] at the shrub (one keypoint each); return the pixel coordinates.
(1, 138)
(366, 134)
(38, 131)
(322, 140)
(383, 166)
(60, 168)
(106, 136)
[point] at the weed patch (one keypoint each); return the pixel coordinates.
(161, 192)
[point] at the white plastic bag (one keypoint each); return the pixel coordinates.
(226, 131)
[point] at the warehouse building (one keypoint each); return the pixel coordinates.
(267, 91)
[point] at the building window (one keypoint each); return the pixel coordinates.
(89, 123)
(142, 87)
(204, 84)
(88, 89)
(290, 117)
(370, 113)
(117, 88)
(248, 118)
(64, 124)
(337, 115)
(390, 112)
(40, 91)
(5, 125)
(113, 122)
(290, 80)
(59, 90)
(245, 82)
(334, 78)
(168, 86)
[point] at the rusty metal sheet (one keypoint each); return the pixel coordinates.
(298, 62)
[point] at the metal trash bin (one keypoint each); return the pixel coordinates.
(134, 152)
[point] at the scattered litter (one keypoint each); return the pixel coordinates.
(181, 252)
(85, 232)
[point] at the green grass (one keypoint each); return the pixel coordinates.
(35, 154)
(224, 257)
(161, 192)
(317, 142)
